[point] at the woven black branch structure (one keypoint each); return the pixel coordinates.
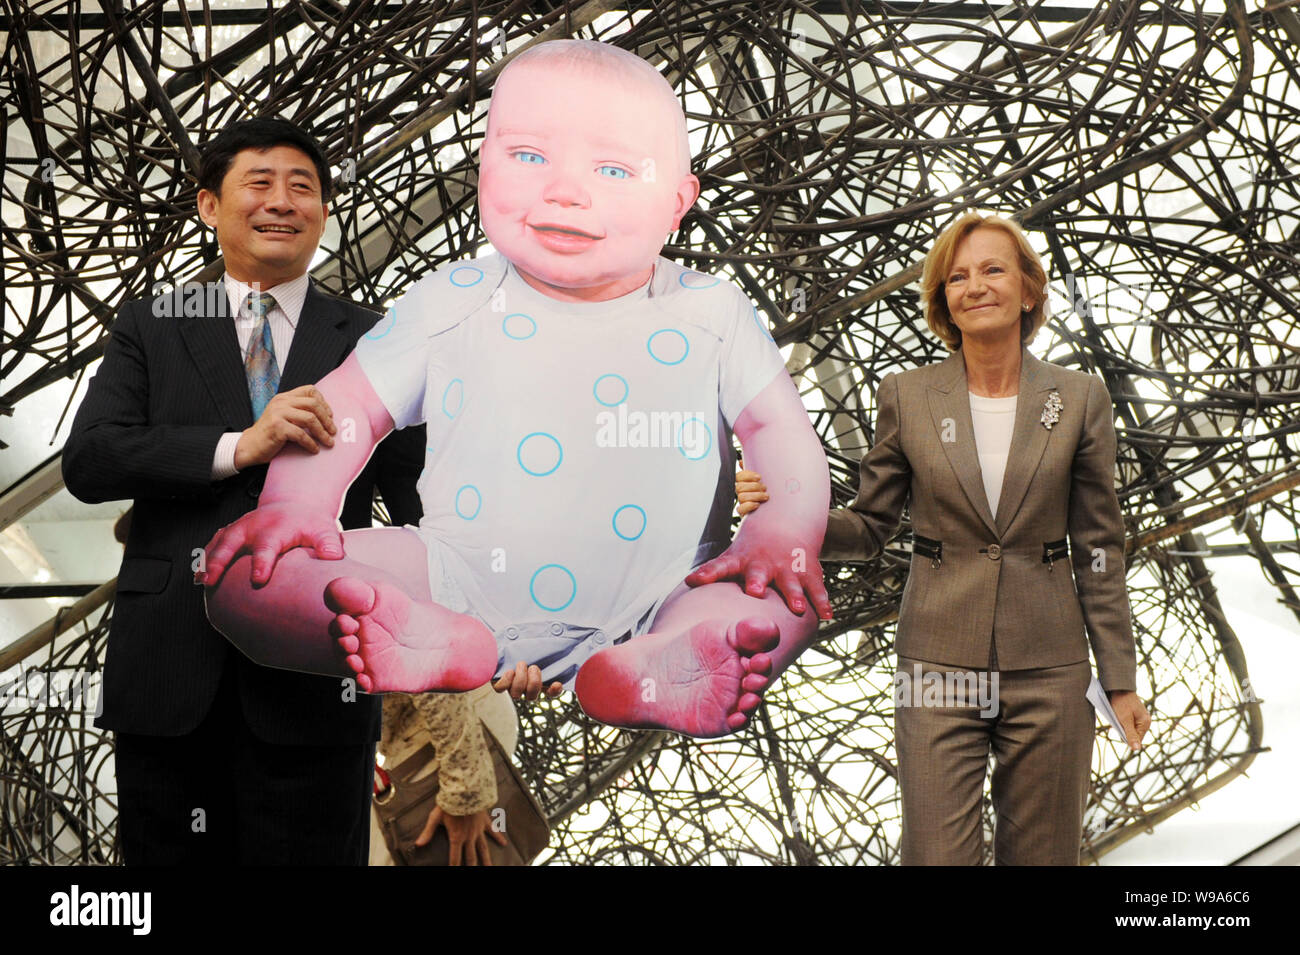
(1149, 148)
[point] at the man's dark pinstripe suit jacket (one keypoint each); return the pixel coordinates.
(167, 389)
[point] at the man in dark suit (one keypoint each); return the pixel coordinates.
(218, 759)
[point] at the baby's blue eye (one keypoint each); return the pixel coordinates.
(531, 158)
(614, 172)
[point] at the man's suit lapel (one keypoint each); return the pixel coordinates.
(950, 411)
(319, 341)
(1029, 439)
(214, 348)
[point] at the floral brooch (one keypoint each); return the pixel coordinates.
(1052, 409)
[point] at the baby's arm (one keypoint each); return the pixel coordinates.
(297, 475)
(303, 493)
(779, 542)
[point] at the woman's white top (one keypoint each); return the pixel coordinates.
(994, 420)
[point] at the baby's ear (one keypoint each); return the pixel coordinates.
(688, 190)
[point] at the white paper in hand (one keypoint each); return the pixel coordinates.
(1097, 697)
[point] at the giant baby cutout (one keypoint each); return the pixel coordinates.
(557, 530)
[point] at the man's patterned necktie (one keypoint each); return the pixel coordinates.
(259, 361)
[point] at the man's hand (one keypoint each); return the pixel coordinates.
(466, 834)
(1133, 716)
(267, 532)
(750, 490)
(525, 682)
(299, 417)
(758, 560)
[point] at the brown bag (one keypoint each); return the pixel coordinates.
(403, 810)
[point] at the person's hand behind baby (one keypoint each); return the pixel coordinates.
(750, 490)
(267, 532)
(466, 836)
(525, 682)
(757, 560)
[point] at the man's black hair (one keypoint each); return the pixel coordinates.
(259, 134)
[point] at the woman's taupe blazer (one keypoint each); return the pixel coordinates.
(990, 579)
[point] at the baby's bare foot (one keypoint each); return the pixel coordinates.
(396, 644)
(704, 681)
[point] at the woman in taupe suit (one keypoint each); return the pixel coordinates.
(1007, 464)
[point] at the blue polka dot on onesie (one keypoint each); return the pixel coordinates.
(553, 587)
(694, 438)
(383, 326)
(668, 346)
(697, 280)
(629, 522)
(519, 326)
(466, 275)
(539, 453)
(453, 398)
(610, 390)
(468, 502)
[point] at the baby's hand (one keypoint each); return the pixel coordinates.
(760, 559)
(267, 532)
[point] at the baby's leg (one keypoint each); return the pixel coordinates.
(370, 613)
(700, 670)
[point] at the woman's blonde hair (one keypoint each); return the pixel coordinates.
(938, 262)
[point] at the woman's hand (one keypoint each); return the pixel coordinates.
(467, 836)
(1133, 716)
(750, 490)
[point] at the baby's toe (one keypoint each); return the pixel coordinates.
(754, 683)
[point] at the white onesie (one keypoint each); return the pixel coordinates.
(577, 452)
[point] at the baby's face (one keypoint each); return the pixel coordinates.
(579, 180)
